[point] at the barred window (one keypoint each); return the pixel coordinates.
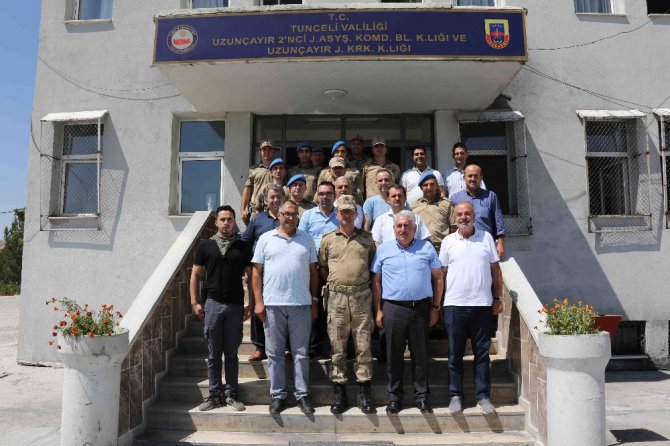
(496, 142)
(617, 171)
(663, 117)
(70, 170)
(201, 149)
(207, 4)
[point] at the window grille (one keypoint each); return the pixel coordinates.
(496, 141)
(663, 117)
(617, 168)
(70, 170)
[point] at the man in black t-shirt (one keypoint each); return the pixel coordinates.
(225, 258)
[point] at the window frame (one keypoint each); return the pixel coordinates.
(616, 9)
(197, 156)
(630, 220)
(73, 17)
(663, 118)
(519, 223)
(188, 4)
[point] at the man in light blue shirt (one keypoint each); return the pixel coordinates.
(407, 277)
(322, 219)
(285, 283)
(377, 205)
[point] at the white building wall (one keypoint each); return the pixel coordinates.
(107, 66)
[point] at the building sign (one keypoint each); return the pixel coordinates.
(442, 34)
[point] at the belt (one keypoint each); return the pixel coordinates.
(348, 288)
(409, 303)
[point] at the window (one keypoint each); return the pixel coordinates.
(280, 2)
(93, 9)
(663, 117)
(475, 2)
(400, 1)
(207, 3)
(617, 170)
(593, 6)
(70, 169)
(201, 149)
(658, 7)
(401, 133)
(496, 142)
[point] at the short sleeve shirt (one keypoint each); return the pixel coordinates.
(317, 224)
(374, 207)
(224, 274)
(382, 229)
(348, 259)
(406, 273)
(468, 262)
(438, 216)
(286, 267)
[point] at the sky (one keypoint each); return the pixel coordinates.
(19, 22)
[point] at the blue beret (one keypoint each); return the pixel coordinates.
(301, 145)
(336, 145)
(276, 162)
(426, 176)
(298, 177)
(317, 149)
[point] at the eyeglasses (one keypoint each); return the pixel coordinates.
(290, 214)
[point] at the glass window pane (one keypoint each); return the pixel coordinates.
(418, 129)
(313, 128)
(95, 9)
(495, 173)
(606, 136)
(80, 194)
(606, 186)
(209, 3)
(202, 136)
(484, 135)
(200, 185)
(476, 3)
(370, 126)
(81, 139)
(593, 6)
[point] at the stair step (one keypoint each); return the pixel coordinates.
(196, 365)
(211, 438)
(256, 391)
(185, 416)
(436, 347)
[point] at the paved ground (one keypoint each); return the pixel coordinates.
(638, 403)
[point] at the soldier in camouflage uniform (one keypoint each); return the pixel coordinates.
(259, 176)
(345, 256)
(380, 161)
(277, 176)
(436, 211)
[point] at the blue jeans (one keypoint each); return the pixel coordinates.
(461, 323)
(282, 321)
(223, 333)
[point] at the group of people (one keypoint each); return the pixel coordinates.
(334, 254)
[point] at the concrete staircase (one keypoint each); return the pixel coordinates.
(175, 419)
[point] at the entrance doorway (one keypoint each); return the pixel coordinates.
(401, 133)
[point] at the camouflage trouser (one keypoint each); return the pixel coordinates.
(350, 313)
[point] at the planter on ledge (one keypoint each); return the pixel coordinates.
(608, 323)
(575, 387)
(91, 388)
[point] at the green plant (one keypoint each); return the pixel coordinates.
(80, 321)
(564, 318)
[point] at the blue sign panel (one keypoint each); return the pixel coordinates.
(343, 34)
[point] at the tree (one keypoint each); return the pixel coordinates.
(11, 256)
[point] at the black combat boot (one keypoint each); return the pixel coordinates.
(340, 399)
(364, 398)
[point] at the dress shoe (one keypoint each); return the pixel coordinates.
(258, 355)
(276, 405)
(424, 406)
(393, 407)
(305, 405)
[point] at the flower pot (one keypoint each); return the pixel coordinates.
(608, 323)
(575, 387)
(91, 388)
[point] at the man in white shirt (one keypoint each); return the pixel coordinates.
(471, 265)
(382, 229)
(455, 178)
(410, 178)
